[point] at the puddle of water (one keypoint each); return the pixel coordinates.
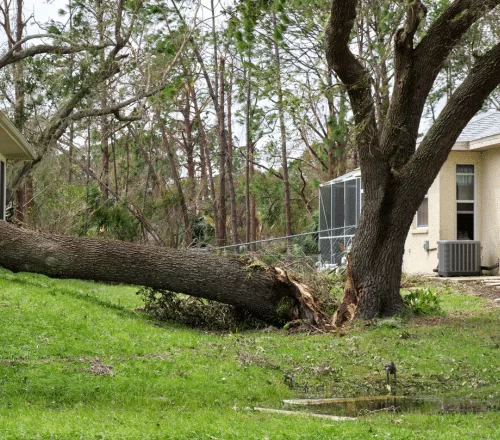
(354, 407)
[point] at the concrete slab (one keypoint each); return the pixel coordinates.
(484, 279)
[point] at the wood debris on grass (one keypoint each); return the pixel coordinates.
(303, 414)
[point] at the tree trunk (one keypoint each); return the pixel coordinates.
(105, 124)
(24, 199)
(284, 154)
(206, 161)
(268, 293)
(221, 230)
(248, 158)
(177, 180)
(373, 273)
(250, 198)
(230, 177)
(395, 174)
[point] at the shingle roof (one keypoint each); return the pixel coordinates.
(481, 126)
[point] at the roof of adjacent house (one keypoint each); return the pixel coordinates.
(482, 132)
(481, 126)
(13, 144)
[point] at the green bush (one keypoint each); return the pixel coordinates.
(423, 301)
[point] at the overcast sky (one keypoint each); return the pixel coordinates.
(43, 10)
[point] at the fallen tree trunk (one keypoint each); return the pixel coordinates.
(268, 293)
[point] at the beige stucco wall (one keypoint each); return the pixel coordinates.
(416, 259)
(490, 212)
(447, 177)
(442, 210)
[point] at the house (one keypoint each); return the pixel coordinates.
(13, 146)
(460, 214)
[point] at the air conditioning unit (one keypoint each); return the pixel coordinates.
(459, 258)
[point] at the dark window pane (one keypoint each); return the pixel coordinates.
(465, 226)
(467, 207)
(465, 169)
(423, 214)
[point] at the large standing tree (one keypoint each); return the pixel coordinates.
(396, 175)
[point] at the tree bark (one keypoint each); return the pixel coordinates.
(284, 153)
(105, 124)
(396, 176)
(230, 177)
(248, 158)
(177, 180)
(206, 161)
(268, 293)
(221, 230)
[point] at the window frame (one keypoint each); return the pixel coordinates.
(460, 201)
(426, 225)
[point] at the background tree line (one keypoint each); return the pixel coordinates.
(183, 124)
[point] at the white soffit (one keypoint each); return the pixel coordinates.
(13, 145)
(485, 143)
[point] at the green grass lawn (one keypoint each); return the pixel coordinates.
(77, 361)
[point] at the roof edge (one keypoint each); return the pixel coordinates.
(354, 174)
(16, 136)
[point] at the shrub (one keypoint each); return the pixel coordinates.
(423, 302)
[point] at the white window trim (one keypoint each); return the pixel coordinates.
(474, 202)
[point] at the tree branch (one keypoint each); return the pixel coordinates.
(13, 56)
(358, 83)
(416, 70)
(415, 13)
(465, 102)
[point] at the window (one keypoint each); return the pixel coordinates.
(2, 190)
(465, 202)
(423, 214)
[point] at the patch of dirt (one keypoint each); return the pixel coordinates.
(245, 359)
(457, 319)
(100, 369)
(478, 288)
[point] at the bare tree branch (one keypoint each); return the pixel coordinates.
(14, 55)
